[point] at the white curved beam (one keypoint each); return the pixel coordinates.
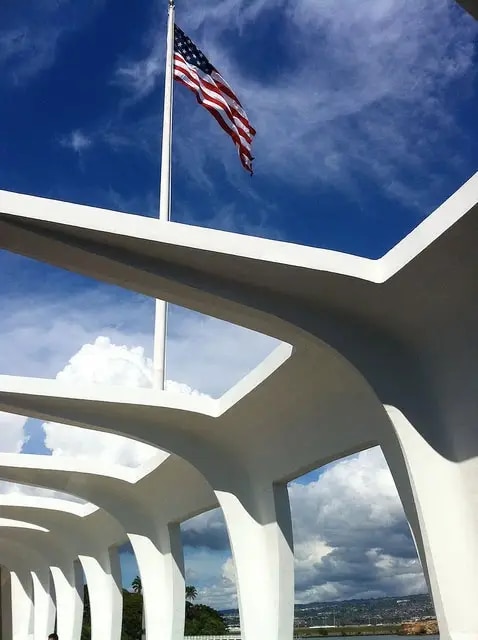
(252, 494)
(92, 539)
(31, 599)
(440, 487)
(152, 528)
(394, 320)
(19, 617)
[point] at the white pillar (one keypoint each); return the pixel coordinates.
(393, 454)
(161, 568)
(446, 498)
(44, 606)
(103, 578)
(261, 543)
(69, 600)
(22, 605)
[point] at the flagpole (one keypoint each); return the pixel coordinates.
(161, 312)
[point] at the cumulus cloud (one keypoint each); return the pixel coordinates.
(358, 92)
(351, 537)
(12, 488)
(206, 531)
(222, 594)
(51, 329)
(12, 433)
(103, 362)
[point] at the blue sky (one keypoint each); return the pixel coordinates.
(364, 118)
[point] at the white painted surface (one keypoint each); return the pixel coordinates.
(399, 331)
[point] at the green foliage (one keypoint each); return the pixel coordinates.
(203, 620)
(86, 628)
(132, 616)
(200, 619)
(136, 585)
(191, 593)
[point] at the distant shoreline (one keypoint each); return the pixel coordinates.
(422, 628)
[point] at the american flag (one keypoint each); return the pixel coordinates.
(193, 69)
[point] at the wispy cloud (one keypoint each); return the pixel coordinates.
(30, 36)
(364, 92)
(140, 76)
(77, 141)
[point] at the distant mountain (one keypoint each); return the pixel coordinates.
(335, 603)
(390, 609)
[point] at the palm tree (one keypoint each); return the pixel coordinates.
(136, 585)
(191, 592)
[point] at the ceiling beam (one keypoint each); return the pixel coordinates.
(471, 6)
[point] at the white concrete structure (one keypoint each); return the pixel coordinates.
(125, 494)
(76, 532)
(359, 334)
(32, 559)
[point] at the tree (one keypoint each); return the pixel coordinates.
(200, 619)
(191, 593)
(86, 627)
(137, 586)
(132, 616)
(203, 620)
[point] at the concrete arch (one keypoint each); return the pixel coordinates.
(356, 345)
(32, 597)
(153, 528)
(19, 591)
(32, 601)
(93, 539)
(100, 564)
(252, 494)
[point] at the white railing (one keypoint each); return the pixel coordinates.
(232, 636)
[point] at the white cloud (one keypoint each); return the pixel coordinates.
(221, 594)
(30, 36)
(103, 362)
(351, 538)
(213, 576)
(358, 93)
(41, 330)
(223, 353)
(77, 141)
(12, 433)
(12, 488)
(39, 333)
(140, 76)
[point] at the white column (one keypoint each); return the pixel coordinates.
(446, 498)
(103, 578)
(393, 454)
(22, 605)
(161, 568)
(44, 606)
(261, 542)
(69, 600)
